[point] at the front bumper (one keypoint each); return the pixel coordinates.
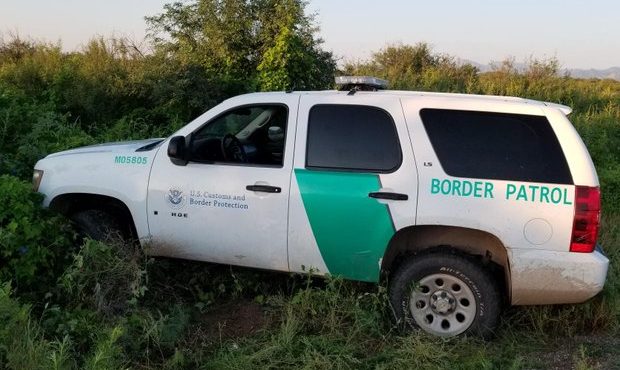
(551, 277)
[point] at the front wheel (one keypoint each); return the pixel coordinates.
(445, 294)
(98, 225)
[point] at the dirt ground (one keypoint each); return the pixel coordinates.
(581, 352)
(235, 319)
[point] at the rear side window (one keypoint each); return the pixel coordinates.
(499, 146)
(352, 138)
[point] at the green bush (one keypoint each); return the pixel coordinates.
(22, 345)
(33, 243)
(51, 133)
(105, 278)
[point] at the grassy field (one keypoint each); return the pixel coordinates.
(116, 308)
(97, 306)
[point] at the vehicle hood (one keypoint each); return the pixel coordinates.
(115, 147)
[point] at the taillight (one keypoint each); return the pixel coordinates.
(587, 219)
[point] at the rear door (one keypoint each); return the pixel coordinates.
(354, 183)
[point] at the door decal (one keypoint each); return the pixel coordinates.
(351, 229)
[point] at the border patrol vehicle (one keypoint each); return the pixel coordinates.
(463, 202)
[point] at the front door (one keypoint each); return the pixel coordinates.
(229, 204)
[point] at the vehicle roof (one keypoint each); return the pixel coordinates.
(449, 96)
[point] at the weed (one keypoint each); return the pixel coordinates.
(107, 353)
(106, 277)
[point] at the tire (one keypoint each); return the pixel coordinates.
(445, 294)
(98, 225)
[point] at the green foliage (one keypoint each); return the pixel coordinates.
(157, 337)
(415, 67)
(104, 277)
(33, 244)
(600, 129)
(107, 353)
(22, 345)
(266, 43)
(50, 133)
(294, 59)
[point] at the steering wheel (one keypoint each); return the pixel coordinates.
(232, 149)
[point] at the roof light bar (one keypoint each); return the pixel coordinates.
(360, 83)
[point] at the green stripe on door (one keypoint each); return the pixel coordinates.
(351, 229)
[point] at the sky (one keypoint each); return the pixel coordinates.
(579, 33)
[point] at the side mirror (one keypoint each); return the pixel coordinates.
(177, 151)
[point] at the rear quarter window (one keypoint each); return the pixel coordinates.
(500, 146)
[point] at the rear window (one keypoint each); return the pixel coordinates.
(499, 146)
(352, 138)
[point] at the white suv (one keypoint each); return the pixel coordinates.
(462, 202)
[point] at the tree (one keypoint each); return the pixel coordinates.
(266, 44)
(294, 60)
(416, 67)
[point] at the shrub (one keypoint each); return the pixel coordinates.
(51, 133)
(106, 278)
(22, 345)
(33, 242)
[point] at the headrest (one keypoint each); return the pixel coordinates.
(275, 133)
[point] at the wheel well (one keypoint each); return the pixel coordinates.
(482, 245)
(69, 204)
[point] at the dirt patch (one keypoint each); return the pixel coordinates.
(560, 359)
(591, 351)
(231, 320)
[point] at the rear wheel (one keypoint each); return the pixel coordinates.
(445, 294)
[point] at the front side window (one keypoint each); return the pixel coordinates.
(352, 138)
(500, 146)
(246, 135)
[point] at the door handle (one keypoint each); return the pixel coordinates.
(388, 195)
(264, 188)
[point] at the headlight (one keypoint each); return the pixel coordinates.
(37, 176)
